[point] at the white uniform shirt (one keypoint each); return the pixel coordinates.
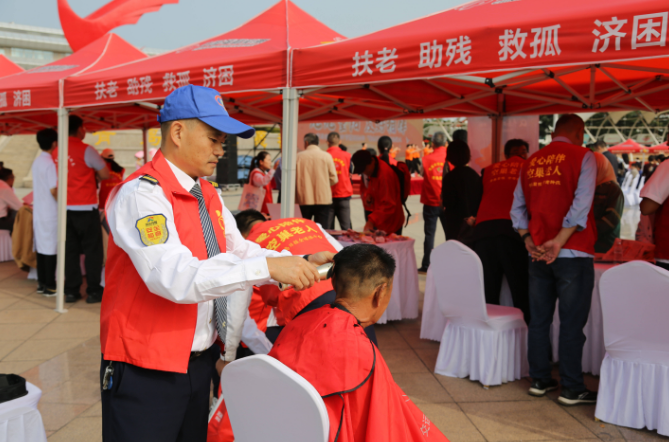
(45, 207)
(657, 188)
(170, 270)
(8, 199)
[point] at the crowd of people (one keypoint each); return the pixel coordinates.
(190, 287)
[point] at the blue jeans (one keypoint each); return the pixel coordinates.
(571, 280)
(430, 216)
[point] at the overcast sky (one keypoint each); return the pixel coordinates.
(190, 21)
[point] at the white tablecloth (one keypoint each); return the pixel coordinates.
(404, 298)
(433, 323)
(20, 420)
(5, 246)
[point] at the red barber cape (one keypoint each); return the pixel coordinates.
(330, 349)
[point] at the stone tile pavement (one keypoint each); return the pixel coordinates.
(60, 353)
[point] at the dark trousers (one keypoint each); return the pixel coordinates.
(340, 208)
(320, 213)
(7, 222)
(158, 406)
(663, 265)
(46, 270)
(570, 280)
(502, 255)
(327, 298)
(84, 236)
(431, 214)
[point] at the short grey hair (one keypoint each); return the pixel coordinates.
(438, 139)
(311, 138)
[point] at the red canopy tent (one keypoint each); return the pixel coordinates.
(629, 146)
(32, 96)
(8, 67)
(494, 58)
(243, 64)
(662, 147)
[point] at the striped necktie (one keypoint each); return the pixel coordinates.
(220, 304)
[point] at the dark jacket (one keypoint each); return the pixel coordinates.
(461, 193)
(608, 208)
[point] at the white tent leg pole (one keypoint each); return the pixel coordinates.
(63, 128)
(145, 143)
(289, 152)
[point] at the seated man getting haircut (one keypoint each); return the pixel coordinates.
(300, 237)
(329, 349)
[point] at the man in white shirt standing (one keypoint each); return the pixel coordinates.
(45, 212)
(9, 202)
(175, 256)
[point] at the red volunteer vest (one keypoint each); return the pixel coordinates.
(499, 183)
(433, 165)
(268, 191)
(82, 188)
(137, 326)
(382, 197)
(549, 179)
(342, 161)
(661, 232)
(300, 237)
(106, 186)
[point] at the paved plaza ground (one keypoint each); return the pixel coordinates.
(60, 353)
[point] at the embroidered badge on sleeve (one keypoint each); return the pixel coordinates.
(152, 229)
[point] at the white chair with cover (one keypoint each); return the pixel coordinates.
(634, 379)
(5, 246)
(486, 342)
(268, 401)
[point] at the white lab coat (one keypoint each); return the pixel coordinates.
(45, 207)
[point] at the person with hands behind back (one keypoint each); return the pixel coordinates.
(553, 213)
(175, 259)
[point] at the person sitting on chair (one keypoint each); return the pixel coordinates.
(329, 348)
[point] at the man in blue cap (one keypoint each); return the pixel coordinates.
(175, 257)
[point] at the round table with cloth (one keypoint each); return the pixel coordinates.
(20, 421)
(433, 322)
(404, 298)
(416, 185)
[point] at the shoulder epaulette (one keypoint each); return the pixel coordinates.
(149, 179)
(213, 183)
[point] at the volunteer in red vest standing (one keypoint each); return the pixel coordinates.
(500, 248)
(655, 194)
(430, 195)
(84, 231)
(261, 175)
(552, 211)
(382, 195)
(342, 191)
(175, 255)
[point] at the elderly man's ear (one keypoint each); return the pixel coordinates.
(381, 292)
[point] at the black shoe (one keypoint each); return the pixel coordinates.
(48, 293)
(569, 397)
(40, 289)
(422, 270)
(72, 297)
(540, 388)
(94, 298)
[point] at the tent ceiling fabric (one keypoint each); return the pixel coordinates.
(580, 57)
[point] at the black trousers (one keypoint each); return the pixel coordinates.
(502, 256)
(320, 213)
(663, 265)
(84, 236)
(341, 209)
(158, 406)
(327, 298)
(46, 270)
(7, 222)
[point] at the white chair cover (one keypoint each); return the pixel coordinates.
(5, 246)
(256, 390)
(488, 343)
(20, 421)
(634, 381)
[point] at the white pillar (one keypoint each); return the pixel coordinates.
(63, 128)
(289, 151)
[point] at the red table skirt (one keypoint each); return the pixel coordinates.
(416, 185)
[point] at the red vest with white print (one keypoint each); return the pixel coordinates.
(82, 187)
(300, 237)
(550, 179)
(342, 162)
(499, 183)
(137, 326)
(433, 165)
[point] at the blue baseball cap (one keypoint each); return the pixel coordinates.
(206, 105)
